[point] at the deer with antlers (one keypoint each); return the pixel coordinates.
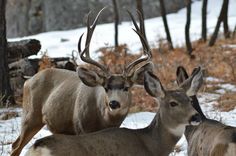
(210, 138)
(159, 138)
(86, 101)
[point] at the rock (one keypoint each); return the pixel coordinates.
(27, 17)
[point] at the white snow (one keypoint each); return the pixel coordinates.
(103, 36)
(213, 79)
(104, 33)
(10, 129)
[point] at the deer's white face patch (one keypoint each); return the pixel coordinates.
(231, 150)
(39, 151)
(46, 152)
(178, 131)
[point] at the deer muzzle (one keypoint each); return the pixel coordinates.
(114, 104)
(195, 120)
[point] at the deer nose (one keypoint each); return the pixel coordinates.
(195, 119)
(114, 104)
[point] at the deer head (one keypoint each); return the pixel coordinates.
(116, 86)
(182, 75)
(173, 102)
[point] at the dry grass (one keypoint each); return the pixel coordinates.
(142, 101)
(177, 149)
(8, 115)
(45, 62)
(219, 61)
(227, 102)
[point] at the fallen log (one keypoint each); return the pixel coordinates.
(25, 68)
(22, 49)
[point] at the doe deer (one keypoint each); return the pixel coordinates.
(210, 138)
(86, 101)
(159, 138)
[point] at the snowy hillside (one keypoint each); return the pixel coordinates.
(104, 33)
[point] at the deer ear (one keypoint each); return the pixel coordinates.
(181, 75)
(193, 83)
(89, 77)
(153, 85)
(138, 76)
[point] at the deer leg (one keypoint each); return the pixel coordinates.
(27, 132)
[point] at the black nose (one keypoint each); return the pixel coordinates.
(196, 118)
(114, 104)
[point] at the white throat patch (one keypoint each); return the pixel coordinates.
(231, 150)
(194, 123)
(39, 151)
(178, 131)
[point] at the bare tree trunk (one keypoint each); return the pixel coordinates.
(5, 88)
(116, 17)
(139, 5)
(220, 19)
(163, 14)
(225, 20)
(234, 32)
(187, 26)
(204, 20)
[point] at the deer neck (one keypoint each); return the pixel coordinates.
(196, 105)
(160, 134)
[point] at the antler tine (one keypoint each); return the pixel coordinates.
(91, 28)
(79, 44)
(133, 20)
(146, 48)
(84, 55)
(141, 21)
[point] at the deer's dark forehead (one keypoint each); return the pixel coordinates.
(179, 96)
(116, 79)
(116, 82)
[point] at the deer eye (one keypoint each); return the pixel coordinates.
(173, 104)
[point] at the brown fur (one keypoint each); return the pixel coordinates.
(210, 138)
(158, 138)
(59, 99)
(234, 137)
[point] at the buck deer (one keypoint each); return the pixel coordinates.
(158, 138)
(86, 101)
(210, 138)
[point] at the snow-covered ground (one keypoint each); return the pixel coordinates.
(10, 129)
(103, 36)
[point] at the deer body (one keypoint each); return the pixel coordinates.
(79, 102)
(158, 138)
(211, 137)
(59, 99)
(113, 141)
(69, 114)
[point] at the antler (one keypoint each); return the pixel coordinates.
(84, 55)
(146, 49)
